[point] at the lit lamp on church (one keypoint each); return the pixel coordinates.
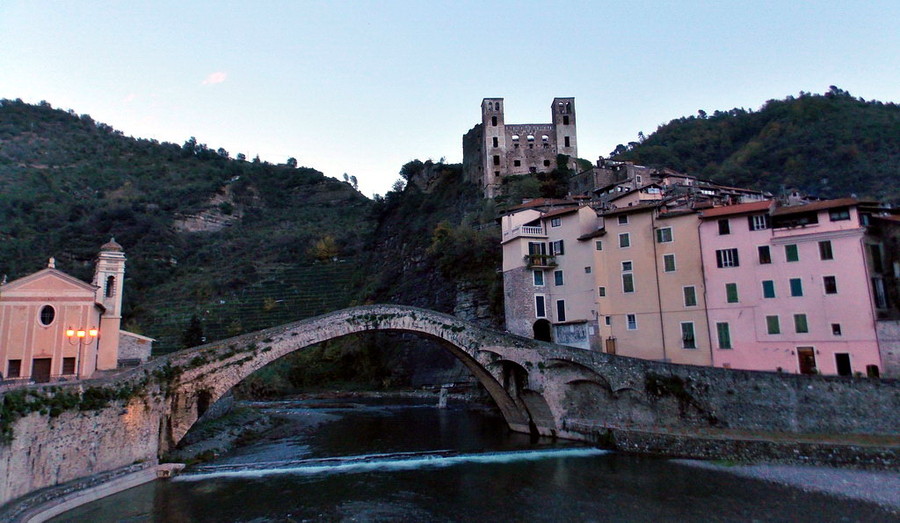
(82, 338)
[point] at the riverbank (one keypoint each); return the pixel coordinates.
(879, 487)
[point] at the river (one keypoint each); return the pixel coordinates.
(406, 460)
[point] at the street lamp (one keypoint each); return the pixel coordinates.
(81, 337)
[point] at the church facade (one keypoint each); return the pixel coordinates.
(54, 326)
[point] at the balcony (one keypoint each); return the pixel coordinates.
(524, 230)
(540, 261)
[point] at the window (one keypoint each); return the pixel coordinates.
(627, 266)
(608, 320)
(48, 313)
(796, 287)
(836, 329)
(557, 277)
(731, 293)
(825, 252)
(839, 214)
(566, 141)
(724, 227)
(601, 291)
(560, 310)
(758, 222)
(791, 253)
(599, 245)
(555, 222)
(494, 121)
(669, 262)
(690, 296)
(623, 219)
(631, 320)
(830, 284)
(110, 286)
(530, 137)
(538, 278)
(496, 159)
(800, 324)
(540, 310)
(727, 258)
(772, 325)
(546, 163)
(687, 335)
(517, 163)
(496, 142)
(566, 119)
(764, 255)
(664, 235)
(587, 270)
(724, 334)
(545, 138)
(537, 248)
(875, 252)
(628, 282)
(14, 369)
(68, 366)
(768, 289)
(557, 248)
(624, 240)
(879, 293)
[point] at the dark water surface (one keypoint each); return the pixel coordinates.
(409, 461)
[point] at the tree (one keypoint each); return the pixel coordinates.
(241, 157)
(193, 335)
(292, 162)
(325, 250)
(354, 182)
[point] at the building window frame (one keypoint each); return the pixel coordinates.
(825, 250)
(773, 324)
(560, 310)
(791, 253)
(664, 235)
(631, 321)
(538, 278)
(723, 334)
(829, 283)
(768, 289)
(724, 226)
(688, 335)
(801, 324)
(628, 283)
(558, 279)
(796, 287)
(540, 306)
(731, 293)
(624, 240)
(669, 263)
(727, 258)
(689, 295)
(764, 254)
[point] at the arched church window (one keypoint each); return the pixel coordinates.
(110, 286)
(515, 137)
(48, 313)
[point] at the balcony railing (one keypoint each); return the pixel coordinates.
(524, 230)
(540, 261)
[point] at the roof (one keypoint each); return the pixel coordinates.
(740, 208)
(818, 206)
(111, 245)
(542, 202)
(71, 280)
(596, 234)
(633, 208)
(558, 212)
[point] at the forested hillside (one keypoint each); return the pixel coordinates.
(242, 244)
(827, 145)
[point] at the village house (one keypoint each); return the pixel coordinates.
(56, 327)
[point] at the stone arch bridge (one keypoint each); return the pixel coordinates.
(59, 433)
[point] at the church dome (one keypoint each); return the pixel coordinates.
(111, 245)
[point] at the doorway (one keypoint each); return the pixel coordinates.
(542, 330)
(40, 370)
(806, 356)
(842, 360)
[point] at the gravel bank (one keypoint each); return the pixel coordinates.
(882, 488)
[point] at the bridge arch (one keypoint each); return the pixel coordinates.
(207, 372)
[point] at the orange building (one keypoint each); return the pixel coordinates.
(54, 326)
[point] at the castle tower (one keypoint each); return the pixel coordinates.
(494, 143)
(109, 278)
(563, 112)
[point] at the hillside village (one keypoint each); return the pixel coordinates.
(656, 264)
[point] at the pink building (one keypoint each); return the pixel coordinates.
(791, 288)
(54, 326)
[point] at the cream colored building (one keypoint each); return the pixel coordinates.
(54, 326)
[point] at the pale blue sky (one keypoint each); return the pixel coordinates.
(363, 87)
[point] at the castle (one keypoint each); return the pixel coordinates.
(494, 149)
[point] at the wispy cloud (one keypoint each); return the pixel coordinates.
(215, 78)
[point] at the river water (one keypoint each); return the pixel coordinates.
(406, 460)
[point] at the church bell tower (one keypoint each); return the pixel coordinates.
(109, 278)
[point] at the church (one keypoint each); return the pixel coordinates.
(55, 327)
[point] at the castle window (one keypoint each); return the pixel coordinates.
(496, 142)
(566, 120)
(110, 286)
(48, 313)
(496, 159)
(568, 107)
(545, 138)
(517, 163)
(530, 137)
(567, 141)
(546, 163)
(497, 106)
(494, 121)
(515, 137)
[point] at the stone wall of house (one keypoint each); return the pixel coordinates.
(888, 332)
(134, 348)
